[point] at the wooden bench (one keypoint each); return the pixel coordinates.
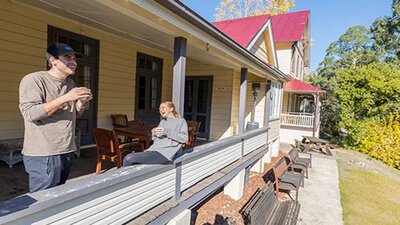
(265, 208)
(285, 179)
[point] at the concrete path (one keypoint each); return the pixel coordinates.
(320, 197)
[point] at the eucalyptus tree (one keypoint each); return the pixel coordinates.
(232, 9)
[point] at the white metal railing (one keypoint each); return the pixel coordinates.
(297, 119)
(118, 196)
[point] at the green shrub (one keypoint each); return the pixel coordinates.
(380, 140)
(369, 98)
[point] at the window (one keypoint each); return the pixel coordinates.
(298, 67)
(275, 105)
(293, 62)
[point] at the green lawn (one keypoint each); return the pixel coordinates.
(367, 195)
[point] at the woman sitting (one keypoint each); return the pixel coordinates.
(168, 138)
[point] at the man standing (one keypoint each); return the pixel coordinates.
(49, 103)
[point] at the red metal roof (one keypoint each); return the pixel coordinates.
(289, 26)
(296, 85)
(242, 30)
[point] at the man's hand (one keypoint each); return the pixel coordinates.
(69, 98)
(78, 93)
(85, 96)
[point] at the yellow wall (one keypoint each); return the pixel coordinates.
(222, 90)
(23, 43)
(260, 105)
(235, 102)
(259, 49)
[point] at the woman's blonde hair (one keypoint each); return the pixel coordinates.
(172, 105)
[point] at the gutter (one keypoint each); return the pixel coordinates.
(192, 17)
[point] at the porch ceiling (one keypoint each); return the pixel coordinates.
(124, 19)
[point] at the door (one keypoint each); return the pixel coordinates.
(198, 102)
(148, 88)
(86, 75)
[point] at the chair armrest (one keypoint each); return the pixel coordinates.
(127, 145)
(306, 153)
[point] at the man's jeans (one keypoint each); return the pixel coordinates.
(47, 171)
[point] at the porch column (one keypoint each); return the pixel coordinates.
(258, 167)
(242, 101)
(316, 114)
(267, 102)
(182, 218)
(234, 188)
(178, 82)
(267, 156)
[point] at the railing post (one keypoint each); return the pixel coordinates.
(242, 148)
(178, 181)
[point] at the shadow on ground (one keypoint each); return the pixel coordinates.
(14, 181)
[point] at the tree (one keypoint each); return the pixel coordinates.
(352, 49)
(231, 9)
(369, 100)
(330, 108)
(386, 33)
(370, 91)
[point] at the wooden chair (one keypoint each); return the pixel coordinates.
(286, 180)
(192, 133)
(297, 163)
(295, 157)
(121, 120)
(109, 148)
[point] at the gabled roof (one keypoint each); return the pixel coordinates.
(289, 26)
(299, 86)
(242, 30)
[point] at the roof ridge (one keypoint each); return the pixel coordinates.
(301, 11)
(243, 18)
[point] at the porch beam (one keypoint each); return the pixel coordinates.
(242, 101)
(178, 82)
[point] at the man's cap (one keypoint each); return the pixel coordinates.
(58, 49)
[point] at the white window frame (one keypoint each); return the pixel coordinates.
(275, 105)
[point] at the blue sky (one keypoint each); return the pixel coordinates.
(329, 18)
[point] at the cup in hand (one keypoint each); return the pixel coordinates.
(159, 131)
(85, 95)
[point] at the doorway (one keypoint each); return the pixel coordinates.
(87, 74)
(148, 88)
(197, 105)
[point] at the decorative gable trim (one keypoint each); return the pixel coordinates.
(266, 27)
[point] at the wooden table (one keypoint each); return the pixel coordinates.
(314, 140)
(317, 143)
(143, 133)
